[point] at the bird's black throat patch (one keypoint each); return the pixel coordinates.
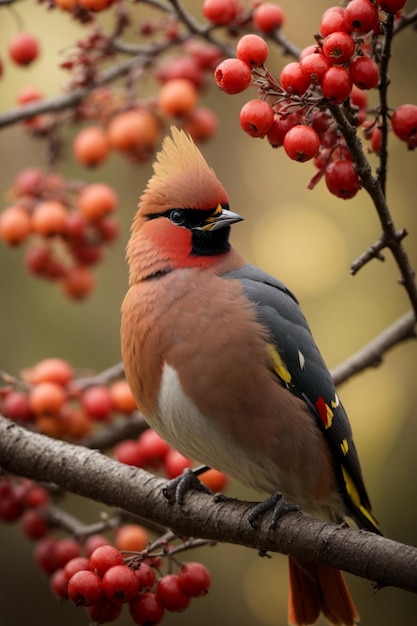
(210, 243)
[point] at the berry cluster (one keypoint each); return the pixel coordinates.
(68, 226)
(105, 581)
(151, 452)
(50, 400)
(296, 111)
(98, 575)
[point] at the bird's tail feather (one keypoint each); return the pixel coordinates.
(316, 588)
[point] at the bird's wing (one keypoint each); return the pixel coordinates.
(300, 367)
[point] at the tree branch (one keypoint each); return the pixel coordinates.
(93, 475)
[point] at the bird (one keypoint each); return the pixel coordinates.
(222, 364)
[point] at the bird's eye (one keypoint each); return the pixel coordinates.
(177, 217)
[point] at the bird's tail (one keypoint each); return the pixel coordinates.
(316, 588)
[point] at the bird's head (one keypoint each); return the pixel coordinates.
(183, 218)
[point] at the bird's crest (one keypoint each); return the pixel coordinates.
(182, 177)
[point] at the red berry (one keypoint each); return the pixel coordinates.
(59, 584)
(301, 143)
(220, 11)
(129, 453)
(16, 406)
(97, 403)
(252, 50)
(404, 124)
(65, 550)
(194, 579)
(338, 47)
(146, 577)
(376, 140)
(358, 98)
(280, 127)
(333, 20)
(153, 448)
(77, 282)
(104, 612)
(361, 16)
(175, 463)
(201, 124)
(23, 48)
(181, 66)
(84, 588)
(77, 564)
(314, 66)
(391, 6)
(34, 524)
(256, 118)
(268, 16)
(364, 72)
(294, 79)
(336, 84)
(45, 555)
(120, 584)
(93, 542)
(169, 592)
(233, 76)
(103, 558)
(342, 179)
(146, 609)
(108, 228)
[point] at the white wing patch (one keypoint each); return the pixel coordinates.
(301, 360)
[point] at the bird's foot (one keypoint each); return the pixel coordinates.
(279, 507)
(177, 488)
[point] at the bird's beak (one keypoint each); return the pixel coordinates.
(221, 218)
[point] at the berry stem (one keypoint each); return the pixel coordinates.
(374, 189)
(383, 99)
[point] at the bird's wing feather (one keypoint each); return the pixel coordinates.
(301, 368)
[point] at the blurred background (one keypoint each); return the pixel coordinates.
(308, 239)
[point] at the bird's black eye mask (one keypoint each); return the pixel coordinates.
(188, 218)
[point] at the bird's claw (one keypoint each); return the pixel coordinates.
(279, 507)
(177, 488)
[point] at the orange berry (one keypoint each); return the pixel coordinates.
(78, 282)
(177, 97)
(201, 124)
(23, 48)
(75, 423)
(49, 218)
(46, 398)
(214, 480)
(66, 5)
(29, 94)
(52, 370)
(15, 225)
(91, 146)
(122, 398)
(131, 538)
(96, 200)
(49, 425)
(95, 5)
(133, 130)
